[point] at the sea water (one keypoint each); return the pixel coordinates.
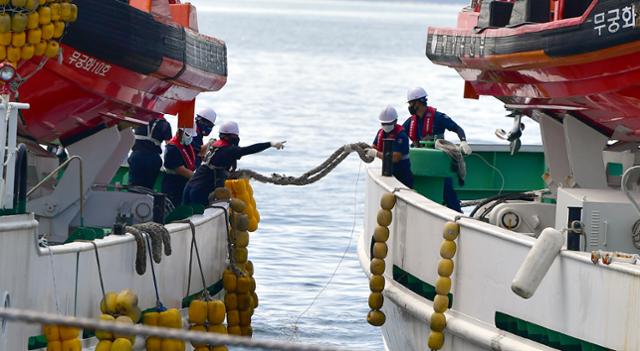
(316, 73)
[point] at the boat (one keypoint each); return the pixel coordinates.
(546, 256)
(66, 227)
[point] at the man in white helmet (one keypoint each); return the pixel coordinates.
(221, 158)
(205, 121)
(390, 129)
(425, 123)
(179, 164)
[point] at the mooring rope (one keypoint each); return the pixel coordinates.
(314, 174)
(39, 317)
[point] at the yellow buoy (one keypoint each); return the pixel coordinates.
(244, 301)
(245, 317)
(438, 322)
(65, 11)
(436, 340)
(381, 234)
(74, 13)
(72, 345)
(18, 3)
(376, 318)
(47, 31)
(18, 39)
(5, 23)
(41, 47)
(217, 328)
(27, 52)
(445, 267)
(242, 222)
(234, 330)
(229, 282)
(254, 300)
(222, 193)
(3, 52)
(387, 201)
(384, 217)
(33, 20)
(242, 239)
(246, 330)
(376, 300)
(198, 311)
(58, 29)
(102, 334)
(440, 303)
(121, 344)
(231, 301)
(104, 345)
(249, 268)
(443, 285)
(170, 318)
(216, 312)
(200, 329)
(241, 254)
(44, 15)
(380, 250)
(451, 230)
(233, 318)
(154, 343)
(377, 266)
(54, 345)
(448, 249)
(55, 11)
(34, 36)
(14, 54)
(376, 283)
(238, 205)
(51, 332)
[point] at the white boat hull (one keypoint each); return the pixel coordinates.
(26, 271)
(576, 300)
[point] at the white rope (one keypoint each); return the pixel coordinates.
(53, 275)
(496, 170)
(344, 254)
(39, 317)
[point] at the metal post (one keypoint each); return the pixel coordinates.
(387, 157)
(573, 237)
(8, 136)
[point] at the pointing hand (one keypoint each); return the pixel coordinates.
(279, 145)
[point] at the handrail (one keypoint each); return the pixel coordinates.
(55, 171)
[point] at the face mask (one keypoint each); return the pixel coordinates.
(186, 139)
(388, 128)
(204, 129)
(413, 109)
(234, 140)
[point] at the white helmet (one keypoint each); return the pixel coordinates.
(229, 128)
(188, 131)
(388, 115)
(416, 93)
(209, 114)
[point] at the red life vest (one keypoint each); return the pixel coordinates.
(187, 152)
(427, 125)
(393, 134)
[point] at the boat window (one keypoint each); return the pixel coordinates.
(530, 11)
(494, 13)
(573, 8)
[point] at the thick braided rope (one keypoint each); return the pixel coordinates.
(312, 175)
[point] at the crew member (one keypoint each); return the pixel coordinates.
(427, 124)
(205, 121)
(179, 164)
(145, 161)
(221, 158)
(391, 129)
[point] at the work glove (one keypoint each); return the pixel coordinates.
(279, 145)
(465, 148)
(372, 153)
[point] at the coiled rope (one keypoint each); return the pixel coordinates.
(314, 174)
(39, 317)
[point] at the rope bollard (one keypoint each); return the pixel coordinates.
(379, 251)
(443, 285)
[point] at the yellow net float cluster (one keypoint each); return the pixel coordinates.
(62, 338)
(207, 316)
(119, 307)
(443, 285)
(33, 28)
(379, 252)
(240, 299)
(170, 318)
(241, 189)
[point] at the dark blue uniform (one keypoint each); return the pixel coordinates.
(214, 171)
(173, 184)
(197, 143)
(145, 161)
(441, 123)
(402, 168)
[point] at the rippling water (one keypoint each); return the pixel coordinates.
(317, 73)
